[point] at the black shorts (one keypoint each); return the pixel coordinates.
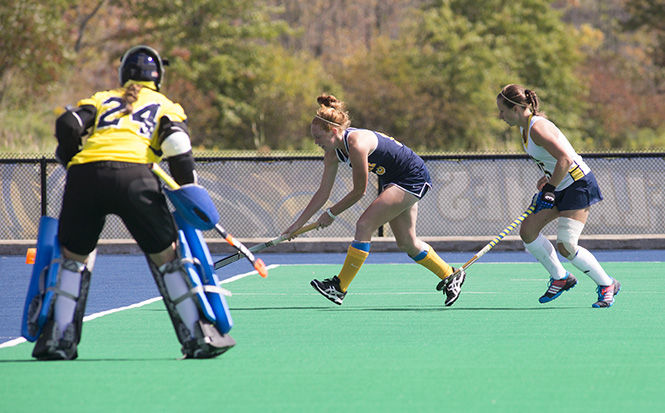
(129, 190)
(416, 182)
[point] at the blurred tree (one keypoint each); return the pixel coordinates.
(285, 99)
(331, 30)
(31, 54)
(625, 82)
(425, 71)
(649, 15)
(247, 91)
(439, 80)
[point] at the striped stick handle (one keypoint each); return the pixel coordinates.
(498, 238)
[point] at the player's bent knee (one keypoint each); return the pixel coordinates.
(568, 235)
(566, 250)
(527, 236)
(364, 229)
(410, 248)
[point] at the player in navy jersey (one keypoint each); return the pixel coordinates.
(404, 180)
(567, 190)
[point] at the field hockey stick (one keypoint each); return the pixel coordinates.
(257, 263)
(492, 243)
(260, 247)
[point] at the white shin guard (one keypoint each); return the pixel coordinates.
(587, 263)
(178, 292)
(568, 235)
(543, 250)
(68, 293)
(62, 332)
(198, 336)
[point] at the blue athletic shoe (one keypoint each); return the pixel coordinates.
(606, 295)
(556, 287)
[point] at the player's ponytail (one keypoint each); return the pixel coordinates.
(516, 95)
(129, 97)
(532, 101)
(332, 113)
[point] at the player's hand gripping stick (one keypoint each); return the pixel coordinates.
(544, 199)
(260, 247)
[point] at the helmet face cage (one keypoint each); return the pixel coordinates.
(141, 63)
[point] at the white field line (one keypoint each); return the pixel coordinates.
(115, 310)
(20, 340)
(17, 341)
(12, 343)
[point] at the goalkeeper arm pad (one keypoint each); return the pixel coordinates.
(69, 128)
(177, 149)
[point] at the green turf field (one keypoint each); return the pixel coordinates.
(390, 347)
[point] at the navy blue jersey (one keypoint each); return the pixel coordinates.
(393, 163)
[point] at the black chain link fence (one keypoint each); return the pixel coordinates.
(472, 195)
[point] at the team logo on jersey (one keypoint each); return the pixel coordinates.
(379, 170)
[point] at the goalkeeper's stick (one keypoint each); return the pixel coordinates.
(492, 243)
(257, 263)
(260, 247)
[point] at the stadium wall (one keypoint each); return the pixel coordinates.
(473, 198)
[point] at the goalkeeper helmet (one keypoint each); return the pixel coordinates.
(141, 63)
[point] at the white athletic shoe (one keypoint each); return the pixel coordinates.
(452, 286)
(330, 289)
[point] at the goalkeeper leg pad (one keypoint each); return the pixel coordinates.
(44, 277)
(193, 297)
(61, 333)
(192, 245)
(189, 310)
(58, 291)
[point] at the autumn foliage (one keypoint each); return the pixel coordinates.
(425, 71)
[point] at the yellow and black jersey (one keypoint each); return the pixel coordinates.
(127, 138)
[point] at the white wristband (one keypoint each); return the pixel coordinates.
(330, 214)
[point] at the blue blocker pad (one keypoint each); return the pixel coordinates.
(192, 245)
(194, 204)
(44, 278)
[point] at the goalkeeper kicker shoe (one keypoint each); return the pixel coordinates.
(606, 294)
(207, 342)
(556, 287)
(49, 347)
(452, 286)
(330, 289)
